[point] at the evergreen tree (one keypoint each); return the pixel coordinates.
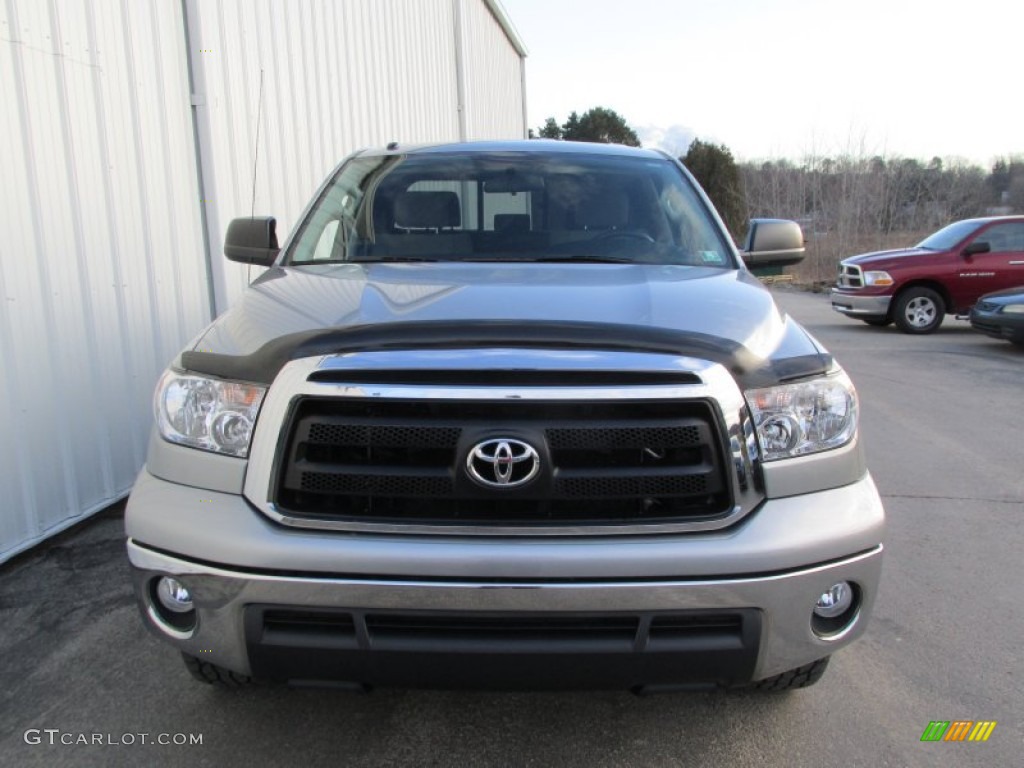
(715, 169)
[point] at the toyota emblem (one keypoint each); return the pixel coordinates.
(503, 463)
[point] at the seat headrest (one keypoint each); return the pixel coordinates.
(427, 210)
(511, 222)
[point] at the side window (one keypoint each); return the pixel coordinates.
(1004, 238)
(331, 225)
(325, 245)
(1015, 238)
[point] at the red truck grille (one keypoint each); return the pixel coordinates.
(850, 276)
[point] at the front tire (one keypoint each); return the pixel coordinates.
(211, 674)
(919, 311)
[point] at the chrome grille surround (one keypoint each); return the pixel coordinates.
(850, 276)
(712, 385)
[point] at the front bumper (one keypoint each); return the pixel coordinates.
(858, 305)
(999, 325)
(767, 570)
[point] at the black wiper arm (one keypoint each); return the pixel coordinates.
(587, 258)
(391, 259)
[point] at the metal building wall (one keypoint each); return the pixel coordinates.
(495, 98)
(129, 141)
(336, 76)
(97, 209)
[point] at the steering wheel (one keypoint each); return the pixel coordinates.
(624, 234)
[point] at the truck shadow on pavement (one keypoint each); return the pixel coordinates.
(78, 659)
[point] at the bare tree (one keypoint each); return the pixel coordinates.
(851, 203)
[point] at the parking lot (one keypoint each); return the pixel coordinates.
(943, 424)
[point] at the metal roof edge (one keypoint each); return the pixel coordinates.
(502, 17)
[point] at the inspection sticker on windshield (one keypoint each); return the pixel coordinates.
(711, 257)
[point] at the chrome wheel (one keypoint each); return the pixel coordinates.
(919, 310)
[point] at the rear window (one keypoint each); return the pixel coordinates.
(511, 206)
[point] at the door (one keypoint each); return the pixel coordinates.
(1002, 267)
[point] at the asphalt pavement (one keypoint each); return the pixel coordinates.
(943, 424)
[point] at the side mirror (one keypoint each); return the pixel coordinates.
(773, 243)
(252, 241)
(978, 246)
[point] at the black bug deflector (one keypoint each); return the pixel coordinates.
(264, 364)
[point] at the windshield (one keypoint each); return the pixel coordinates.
(511, 206)
(949, 236)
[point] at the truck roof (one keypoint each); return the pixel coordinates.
(551, 146)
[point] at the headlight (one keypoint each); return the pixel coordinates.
(877, 278)
(1013, 309)
(210, 414)
(804, 417)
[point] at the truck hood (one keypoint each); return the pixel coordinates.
(880, 258)
(1006, 296)
(292, 312)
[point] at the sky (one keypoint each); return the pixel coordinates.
(786, 78)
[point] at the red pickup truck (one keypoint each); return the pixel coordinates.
(945, 273)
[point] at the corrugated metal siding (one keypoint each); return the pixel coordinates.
(336, 77)
(103, 271)
(98, 204)
(493, 71)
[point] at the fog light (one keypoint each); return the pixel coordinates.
(835, 602)
(173, 596)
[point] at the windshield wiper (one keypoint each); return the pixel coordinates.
(391, 259)
(586, 258)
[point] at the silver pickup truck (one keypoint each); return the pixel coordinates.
(507, 415)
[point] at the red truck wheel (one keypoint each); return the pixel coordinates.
(919, 310)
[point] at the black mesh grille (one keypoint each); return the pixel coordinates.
(388, 485)
(601, 463)
(393, 436)
(626, 487)
(623, 437)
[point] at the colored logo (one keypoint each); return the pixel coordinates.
(958, 730)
